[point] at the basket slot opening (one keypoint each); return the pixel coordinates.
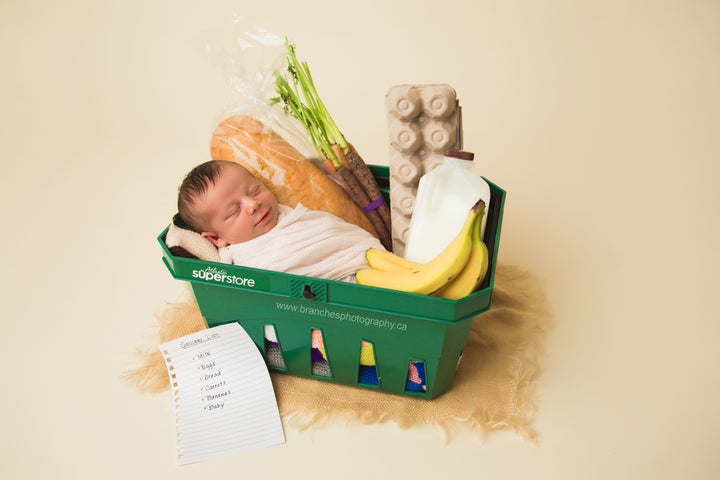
(273, 350)
(320, 365)
(416, 378)
(367, 367)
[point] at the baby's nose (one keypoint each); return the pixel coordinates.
(252, 204)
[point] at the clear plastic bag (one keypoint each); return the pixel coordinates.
(257, 133)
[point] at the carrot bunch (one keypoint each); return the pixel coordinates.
(300, 99)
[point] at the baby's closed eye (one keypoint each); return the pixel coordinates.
(235, 210)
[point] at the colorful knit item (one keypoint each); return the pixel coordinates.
(367, 370)
(317, 343)
(367, 375)
(416, 377)
(367, 354)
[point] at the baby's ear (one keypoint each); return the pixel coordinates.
(214, 239)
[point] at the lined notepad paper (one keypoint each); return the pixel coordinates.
(223, 398)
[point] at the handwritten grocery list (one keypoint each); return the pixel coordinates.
(223, 398)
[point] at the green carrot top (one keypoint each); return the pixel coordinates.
(301, 100)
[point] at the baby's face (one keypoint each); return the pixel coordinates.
(238, 207)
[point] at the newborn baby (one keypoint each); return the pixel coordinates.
(235, 211)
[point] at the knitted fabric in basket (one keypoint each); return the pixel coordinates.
(367, 372)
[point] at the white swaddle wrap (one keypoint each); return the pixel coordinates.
(306, 242)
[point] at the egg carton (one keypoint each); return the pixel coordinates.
(423, 121)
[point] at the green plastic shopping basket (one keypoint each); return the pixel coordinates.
(407, 331)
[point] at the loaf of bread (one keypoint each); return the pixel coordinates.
(290, 176)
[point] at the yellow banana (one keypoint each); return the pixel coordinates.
(380, 259)
(472, 275)
(430, 276)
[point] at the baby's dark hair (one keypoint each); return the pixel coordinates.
(196, 183)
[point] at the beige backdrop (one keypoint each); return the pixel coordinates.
(600, 119)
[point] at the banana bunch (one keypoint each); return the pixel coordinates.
(454, 273)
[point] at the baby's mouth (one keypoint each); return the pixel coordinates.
(263, 219)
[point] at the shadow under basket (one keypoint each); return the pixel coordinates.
(342, 332)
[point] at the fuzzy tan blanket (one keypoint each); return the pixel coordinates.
(494, 388)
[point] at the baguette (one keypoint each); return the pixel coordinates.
(290, 176)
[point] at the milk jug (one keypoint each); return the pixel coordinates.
(444, 198)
